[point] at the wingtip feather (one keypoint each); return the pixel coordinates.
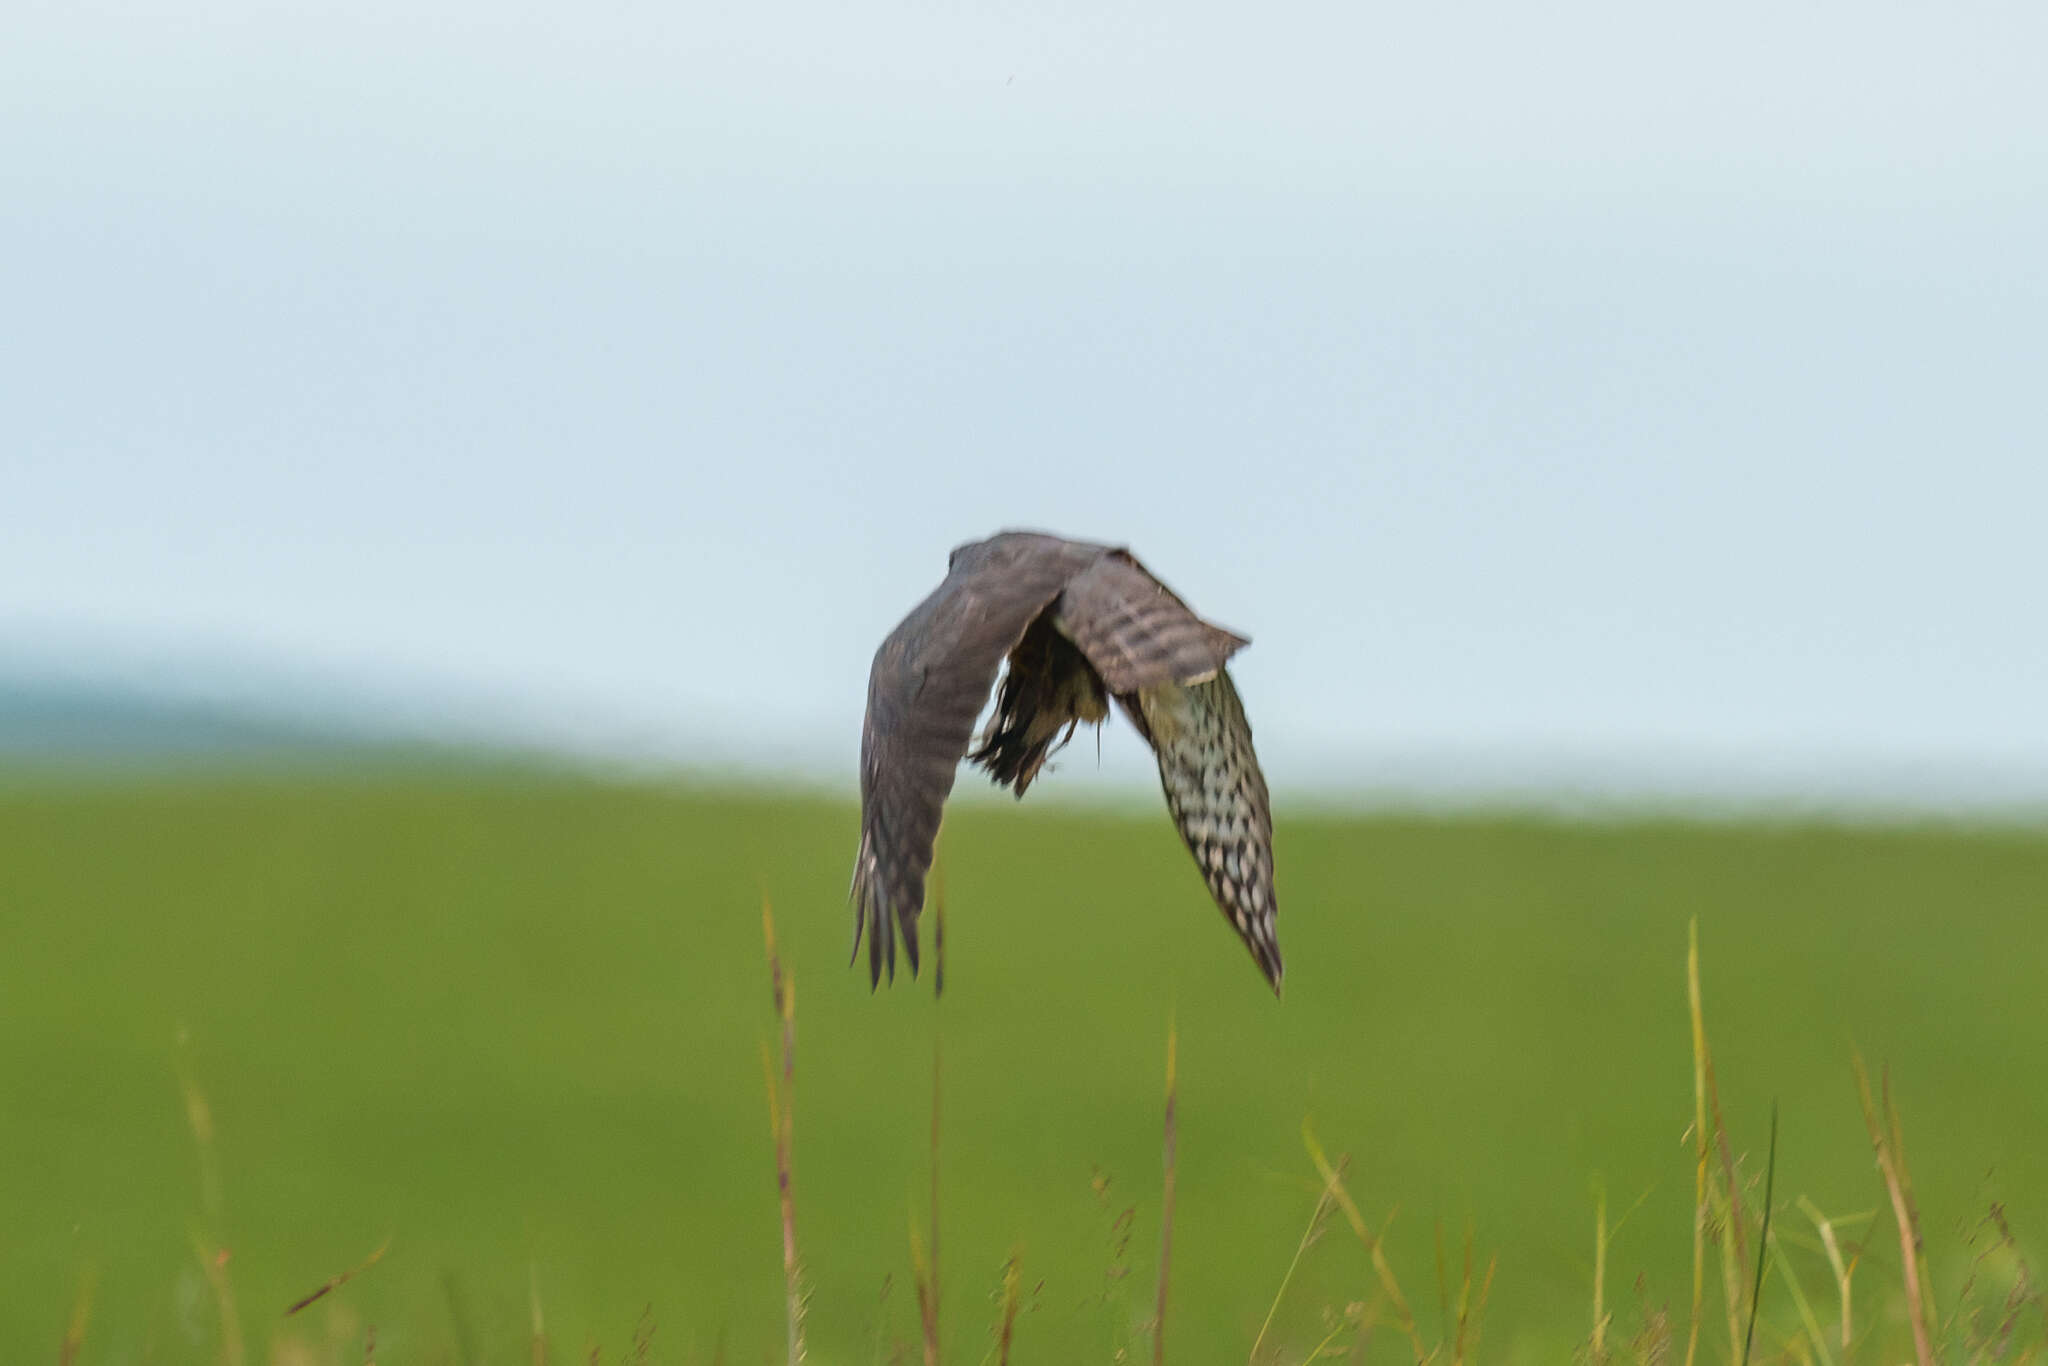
(881, 923)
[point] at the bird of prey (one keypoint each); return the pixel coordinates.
(1077, 624)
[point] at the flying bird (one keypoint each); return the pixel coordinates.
(1077, 625)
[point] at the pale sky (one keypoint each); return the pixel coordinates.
(1559, 392)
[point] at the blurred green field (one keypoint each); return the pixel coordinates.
(514, 1025)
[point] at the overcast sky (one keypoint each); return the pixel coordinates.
(1543, 389)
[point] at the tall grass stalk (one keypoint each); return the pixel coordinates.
(459, 1320)
(539, 1354)
(1469, 1310)
(1166, 1196)
(1719, 1196)
(1843, 1270)
(207, 1244)
(1600, 1314)
(213, 1262)
(337, 1281)
(781, 1121)
(1763, 1238)
(1325, 1202)
(925, 1270)
(1897, 1148)
(920, 1279)
(1333, 1182)
(1013, 1299)
(81, 1315)
(1457, 1314)
(1699, 1131)
(1807, 1317)
(1884, 1138)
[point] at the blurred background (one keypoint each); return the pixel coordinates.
(456, 464)
(1563, 400)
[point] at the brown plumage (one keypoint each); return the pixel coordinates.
(1077, 625)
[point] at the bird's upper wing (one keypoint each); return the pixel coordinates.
(1135, 632)
(929, 682)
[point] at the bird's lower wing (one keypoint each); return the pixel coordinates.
(929, 681)
(1217, 797)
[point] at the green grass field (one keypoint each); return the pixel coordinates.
(514, 1026)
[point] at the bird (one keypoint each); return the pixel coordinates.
(1073, 626)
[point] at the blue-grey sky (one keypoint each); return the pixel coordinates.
(1558, 390)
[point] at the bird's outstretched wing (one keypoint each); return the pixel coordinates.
(1217, 796)
(1165, 666)
(929, 681)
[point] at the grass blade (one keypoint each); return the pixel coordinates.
(1799, 1301)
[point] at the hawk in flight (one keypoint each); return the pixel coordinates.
(1078, 624)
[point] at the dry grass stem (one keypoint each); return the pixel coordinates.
(1325, 1202)
(1472, 1316)
(336, 1282)
(1013, 1299)
(1333, 1182)
(1600, 1314)
(1464, 1335)
(1884, 1138)
(921, 1281)
(213, 1261)
(1763, 1238)
(928, 1284)
(1699, 1132)
(1843, 1270)
(206, 1236)
(539, 1324)
(1166, 1196)
(1719, 1202)
(1897, 1148)
(1815, 1335)
(938, 941)
(781, 1120)
(81, 1315)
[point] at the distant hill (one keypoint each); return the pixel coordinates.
(58, 722)
(115, 711)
